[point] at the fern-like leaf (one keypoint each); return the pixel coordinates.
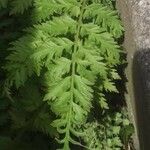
(73, 46)
(20, 6)
(105, 17)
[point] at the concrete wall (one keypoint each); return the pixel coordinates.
(135, 15)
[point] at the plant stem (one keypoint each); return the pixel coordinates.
(73, 66)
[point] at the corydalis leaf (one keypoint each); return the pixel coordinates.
(73, 46)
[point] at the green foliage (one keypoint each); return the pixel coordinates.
(7, 143)
(4, 116)
(3, 3)
(33, 106)
(20, 6)
(105, 17)
(109, 3)
(13, 109)
(72, 46)
(108, 133)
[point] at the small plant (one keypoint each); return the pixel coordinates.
(109, 133)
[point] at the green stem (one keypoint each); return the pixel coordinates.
(73, 71)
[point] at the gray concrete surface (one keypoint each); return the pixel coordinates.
(135, 15)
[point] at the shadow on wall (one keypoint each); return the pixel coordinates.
(141, 79)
